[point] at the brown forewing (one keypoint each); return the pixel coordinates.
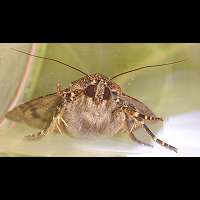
(37, 113)
(138, 105)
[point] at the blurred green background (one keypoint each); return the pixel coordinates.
(169, 91)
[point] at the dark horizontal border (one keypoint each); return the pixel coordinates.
(132, 23)
(148, 164)
(89, 174)
(145, 35)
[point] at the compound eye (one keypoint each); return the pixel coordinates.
(114, 93)
(90, 91)
(106, 94)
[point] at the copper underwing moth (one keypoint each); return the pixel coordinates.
(93, 106)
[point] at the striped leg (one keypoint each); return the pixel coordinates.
(58, 89)
(55, 124)
(37, 136)
(131, 111)
(146, 117)
(44, 132)
(132, 136)
(159, 141)
(133, 124)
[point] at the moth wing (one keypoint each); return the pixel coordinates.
(37, 113)
(139, 106)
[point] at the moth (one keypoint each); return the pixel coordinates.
(93, 106)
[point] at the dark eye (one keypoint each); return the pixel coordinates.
(106, 94)
(114, 93)
(90, 91)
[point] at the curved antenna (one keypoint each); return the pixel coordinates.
(51, 60)
(147, 66)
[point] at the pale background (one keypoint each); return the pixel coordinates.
(171, 92)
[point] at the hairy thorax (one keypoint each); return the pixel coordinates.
(86, 119)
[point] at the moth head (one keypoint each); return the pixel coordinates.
(98, 90)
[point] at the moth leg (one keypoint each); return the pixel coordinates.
(57, 126)
(45, 132)
(135, 124)
(64, 122)
(37, 136)
(59, 120)
(55, 123)
(132, 136)
(132, 112)
(58, 89)
(158, 140)
(41, 134)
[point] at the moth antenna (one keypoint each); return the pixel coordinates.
(147, 66)
(51, 60)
